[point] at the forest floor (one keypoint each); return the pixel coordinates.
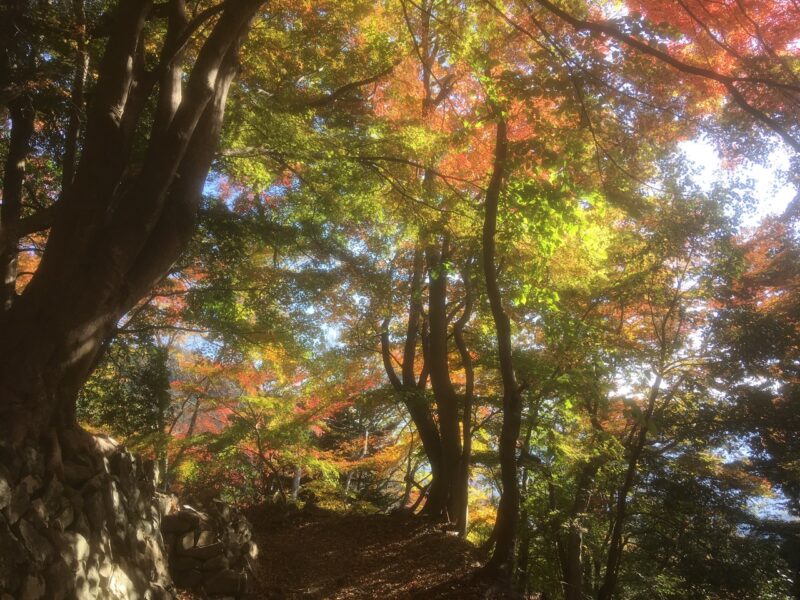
(320, 554)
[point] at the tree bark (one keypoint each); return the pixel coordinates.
(77, 98)
(22, 114)
(441, 384)
(117, 230)
(501, 562)
(16, 62)
(572, 553)
(616, 543)
(462, 496)
(410, 388)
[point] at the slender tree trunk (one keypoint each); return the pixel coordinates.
(573, 546)
(616, 543)
(443, 390)
(523, 566)
(410, 472)
(77, 98)
(462, 498)
(22, 114)
(15, 58)
(298, 477)
(502, 559)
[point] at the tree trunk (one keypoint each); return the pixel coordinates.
(15, 59)
(501, 562)
(77, 99)
(462, 496)
(298, 477)
(21, 113)
(616, 543)
(443, 390)
(523, 566)
(411, 389)
(116, 231)
(573, 546)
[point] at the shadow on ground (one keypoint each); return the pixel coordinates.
(319, 554)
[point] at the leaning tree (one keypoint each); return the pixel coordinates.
(126, 210)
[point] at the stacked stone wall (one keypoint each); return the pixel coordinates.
(94, 530)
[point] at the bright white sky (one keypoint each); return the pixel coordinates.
(770, 190)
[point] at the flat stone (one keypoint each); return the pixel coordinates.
(218, 563)
(205, 552)
(19, 504)
(147, 529)
(59, 580)
(35, 542)
(186, 541)
(81, 591)
(206, 537)
(95, 510)
(120, 585)
(93, 578)
(81, 525)
(106, 445)
(136, 540)
(76, 474)
(53, 494)
(64, 518)
(6, 492)
(159, 569)
(166, 503)
(74, 548)
(180, 522)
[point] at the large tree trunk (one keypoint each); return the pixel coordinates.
(501, 562)
(117, 228)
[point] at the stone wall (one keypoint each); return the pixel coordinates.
(210, 550)
(93, 533)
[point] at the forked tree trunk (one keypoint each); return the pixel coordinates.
(412, 389)
(118, 228)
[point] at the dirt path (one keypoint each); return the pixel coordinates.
(317, 554)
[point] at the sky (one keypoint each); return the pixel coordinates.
(771, 191)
